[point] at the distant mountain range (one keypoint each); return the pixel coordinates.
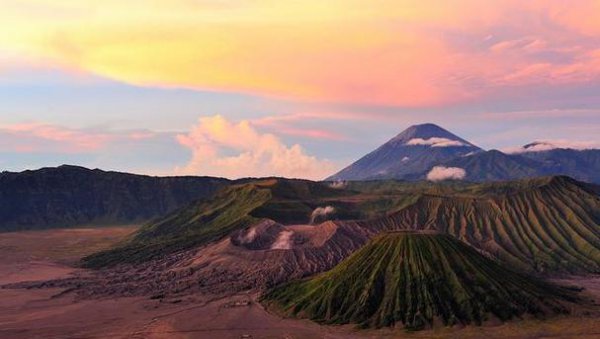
(74, 196)
(428, 151)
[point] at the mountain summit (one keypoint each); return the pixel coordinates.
(415, 150)
(432, 134)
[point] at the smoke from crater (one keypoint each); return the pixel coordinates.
(321, 212)
(284, 241)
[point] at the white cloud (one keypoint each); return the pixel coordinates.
(548, 145)
(434, 142)
(214, 139)
(439, 173)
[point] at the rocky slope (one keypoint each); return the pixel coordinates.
(252, 259)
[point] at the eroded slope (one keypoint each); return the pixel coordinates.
(414, 279)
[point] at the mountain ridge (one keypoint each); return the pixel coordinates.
(416, 151)
(70, 195)
(541, 225)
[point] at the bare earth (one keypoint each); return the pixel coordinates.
(49, 313)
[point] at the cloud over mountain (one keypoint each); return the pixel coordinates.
(440, 173)
(548, 145)
(435, 142)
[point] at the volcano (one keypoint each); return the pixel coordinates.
(416, 279)
(415, 150)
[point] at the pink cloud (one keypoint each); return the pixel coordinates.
(42, 137)
(316, 115)
(214, 139)
(289, 124)
(414, 53)
(528, 44)
(312, 133)
(537, 114)
(441, 173)
(67, 139)
(141, 135)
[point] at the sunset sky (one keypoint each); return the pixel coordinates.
(294, 88)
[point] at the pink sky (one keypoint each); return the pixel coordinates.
(300, 72)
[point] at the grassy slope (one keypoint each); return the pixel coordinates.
(412, 279)
(292, 201)
(194, 225)
(545, 224)
(231, 209)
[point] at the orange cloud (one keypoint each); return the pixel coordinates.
(402, 52)
(214, 138)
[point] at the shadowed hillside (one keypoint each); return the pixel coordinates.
(74, 196)
(414, 280)
(494, 166)
(581, 164)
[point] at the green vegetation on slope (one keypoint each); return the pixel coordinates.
(414, 279)
(462, 188)
(231, 209)
(544, 225)
(197, 224)
(292, 201)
